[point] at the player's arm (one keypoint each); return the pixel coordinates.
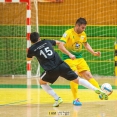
(64, 50)
(61, 45)
(29, 55)
(57, 42)
(29, 59)
(89, 48)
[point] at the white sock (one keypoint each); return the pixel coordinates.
(86, 84)
(50, 91)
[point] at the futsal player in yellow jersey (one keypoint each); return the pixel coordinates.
(72, 41)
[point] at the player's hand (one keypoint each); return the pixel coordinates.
(97, 53)
(72, 56)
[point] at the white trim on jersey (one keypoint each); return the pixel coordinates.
(43, 75)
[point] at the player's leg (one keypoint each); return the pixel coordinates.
(73, 86)
(48, 89)
(88, 85)
(68, 74)
(84, 71)
(88, 76)
(74, 89)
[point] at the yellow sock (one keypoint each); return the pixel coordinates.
(74, 88)
(94, 82)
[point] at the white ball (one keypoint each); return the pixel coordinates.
(107, 88)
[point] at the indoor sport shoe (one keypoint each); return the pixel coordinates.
(102, 95)
(57, 102)
(77, 102)
(98, 91)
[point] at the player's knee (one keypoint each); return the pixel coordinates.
(76, 81)
(41, 82)
(87, 75)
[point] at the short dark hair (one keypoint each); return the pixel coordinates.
(81, 21)
(34, 36)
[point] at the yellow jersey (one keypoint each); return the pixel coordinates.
(73, 42)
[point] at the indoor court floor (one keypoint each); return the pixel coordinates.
(34, 102)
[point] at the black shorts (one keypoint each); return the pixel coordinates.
(62, 70)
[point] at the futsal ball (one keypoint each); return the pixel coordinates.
(107, 88)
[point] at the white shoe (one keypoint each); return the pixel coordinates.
(57, 102)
